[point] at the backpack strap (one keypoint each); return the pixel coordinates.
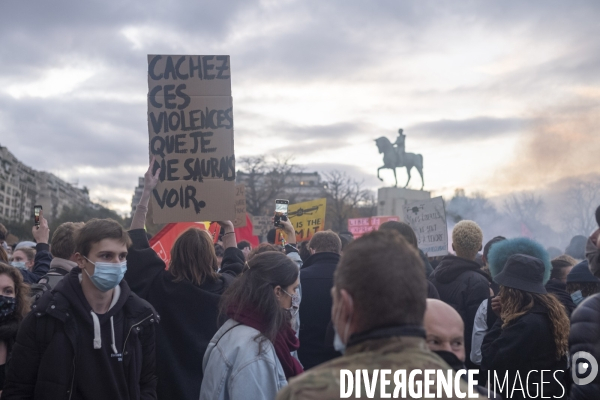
(224, 333)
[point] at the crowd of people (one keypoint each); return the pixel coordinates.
(95, 313)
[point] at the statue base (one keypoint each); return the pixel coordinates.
(391, 200)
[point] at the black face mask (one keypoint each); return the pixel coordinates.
(8, 306)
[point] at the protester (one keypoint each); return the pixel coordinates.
(445, 337)
(486, 262)
(583, 337)
(34, 264)
(557, 285)
(245, 247)
(576, 247)
(592, 248)
(250, 356)
(346, 238)
(497, 256)
(408, 233)
(304, 250)
(23, 258)
(316, 278)
(90, 337)
(14, 306)
(531, 334)
(581, 284)
(378, 307)
(460, 280)
(444, 329)
(62, 248)
(3, 235)
(262, 248)
(186, 296)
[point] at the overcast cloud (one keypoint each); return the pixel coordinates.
(484, 90)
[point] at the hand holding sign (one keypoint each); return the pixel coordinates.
(150, 178)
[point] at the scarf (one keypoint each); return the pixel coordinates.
(285, 341)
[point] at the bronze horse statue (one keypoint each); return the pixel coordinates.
(397, 158)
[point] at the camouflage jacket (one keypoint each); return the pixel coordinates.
(397, 352)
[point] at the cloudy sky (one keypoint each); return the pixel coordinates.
(497, 96)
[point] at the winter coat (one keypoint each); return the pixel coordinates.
(46, 361)
(525, 345)
(189, 315)
(316, 280)
(462, 284)
(235, 367)
(584, 336)
(41, 264)
(559, 289)
(391, 348)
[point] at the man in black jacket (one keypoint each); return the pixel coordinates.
(459, 279)
(90, 337)
(316, 280)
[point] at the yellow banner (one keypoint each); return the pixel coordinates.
(307, 218)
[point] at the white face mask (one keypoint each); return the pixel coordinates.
(18, 264)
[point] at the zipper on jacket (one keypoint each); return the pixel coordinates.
(72, 379)
(133, 326)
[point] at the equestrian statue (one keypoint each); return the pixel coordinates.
(395, 156)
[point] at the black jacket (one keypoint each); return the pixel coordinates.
(559, 290)
(316, 281)
(189, 315)
(526, 344)
(585, 336)
(47, 360)
(462, 284)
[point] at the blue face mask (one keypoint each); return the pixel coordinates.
(107, 275)
(577, 297)
(18, 264)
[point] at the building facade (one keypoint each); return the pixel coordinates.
(22, 187)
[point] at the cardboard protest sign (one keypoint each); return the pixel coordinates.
(190, 126)
(240, 206)
(262, 224)
(307, 218)
(428, 220)
(360, 226)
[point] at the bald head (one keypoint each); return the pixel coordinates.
(444, 328)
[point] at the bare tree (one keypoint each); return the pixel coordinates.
(264, 180)
(526, 207)
(344, 194)
(582, 198)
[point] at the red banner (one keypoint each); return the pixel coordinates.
(164, 240)
(360, 226)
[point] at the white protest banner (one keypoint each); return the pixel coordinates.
(428, 220)
(190, 126)
(360, 226)
(261, 225)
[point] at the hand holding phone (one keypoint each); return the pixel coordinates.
(281, 211)
(36, 214)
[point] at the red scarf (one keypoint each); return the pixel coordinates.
(285, 341)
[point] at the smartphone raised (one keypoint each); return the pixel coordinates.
(281, 209)
(36, 214)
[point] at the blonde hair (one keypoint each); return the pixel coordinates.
(516, 303)
(467, 239)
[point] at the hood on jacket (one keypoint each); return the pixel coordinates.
(451, 267)
(62, 263)
(70, 288)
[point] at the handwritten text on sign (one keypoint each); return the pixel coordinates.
(428, 220)
(190, 125)
(360, 226)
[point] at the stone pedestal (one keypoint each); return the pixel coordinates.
(390, 200)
